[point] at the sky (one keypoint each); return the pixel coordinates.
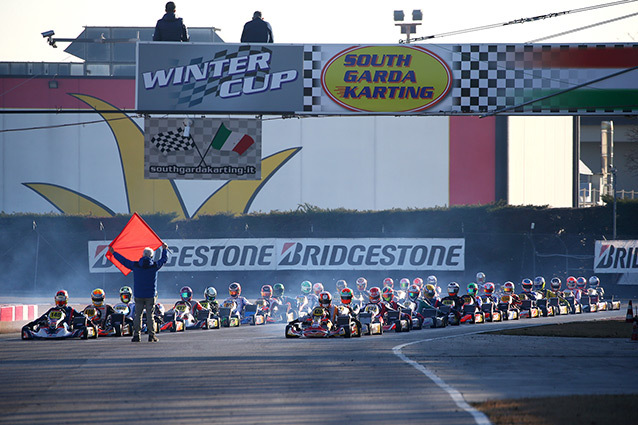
(327, 21)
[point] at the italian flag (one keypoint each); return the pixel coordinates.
(226, 140)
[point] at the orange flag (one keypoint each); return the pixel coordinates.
(130, 243)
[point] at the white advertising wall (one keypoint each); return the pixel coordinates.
(540, 156)
(364, 163)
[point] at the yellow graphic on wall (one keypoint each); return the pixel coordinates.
(154, 196)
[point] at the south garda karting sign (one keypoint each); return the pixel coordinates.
(302, 254)
(202, 148)
(192, 77)
(386, 79)
(616, 257)
(336, 79)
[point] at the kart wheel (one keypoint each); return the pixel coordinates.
(397, 326)
(118, 330)
(347, 333)
(85, 334)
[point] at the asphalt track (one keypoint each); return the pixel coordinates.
(253, 374)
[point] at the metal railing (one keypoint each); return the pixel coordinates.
(592, 197)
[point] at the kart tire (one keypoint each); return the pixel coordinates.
(397, 326)
(118, 330)
(347, 333)
(358, 326)
(85, 334)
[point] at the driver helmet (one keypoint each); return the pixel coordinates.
(317, 288)
(429, 291)
(539, 283)
(581, 283)
(388, 294)
(414, 292)
(346, 296)
(126, 293)
(362, 283)
(594, 282)
(480, 278)
(404, 283)
(508, 287)
(472, 289)
(555, 284)
(278, 290)
(527, 285)
(97, 297)
(341, 284)
(266, 292)
(432, 280)
(418, 282)
(210, 294)
(234, 289)
(571, 283)
(186, 293)
(375, 294)
(61, 298)
(325, 299)
(488, 288)
(388, 282)
(159, 309)
(306, 287)
(453, 288)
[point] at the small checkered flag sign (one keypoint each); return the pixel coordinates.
(172, 141)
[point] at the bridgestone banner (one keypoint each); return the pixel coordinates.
(207, 255)
(616, 257)
(338, 79)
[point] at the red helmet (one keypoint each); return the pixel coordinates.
(234, 289)
(61, 298)
(388, 282)
(266, 291)
(388, 294)
(581, 283)
(571, 283)
(488, 288)
(404, 284)
(508, 287)
(375, 294)
(317, 288)
(362, 283)
(346, 296)
(418, 282)
(325, 299)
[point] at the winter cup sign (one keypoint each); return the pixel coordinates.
(386, 79)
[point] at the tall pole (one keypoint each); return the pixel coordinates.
(613, 184)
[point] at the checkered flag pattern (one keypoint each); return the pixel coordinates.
(202, 132)
(312, 78)
(172, 141)
(193, 94)
(489, 77)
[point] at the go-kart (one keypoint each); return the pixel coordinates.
(395, 321)
(453, 316)
(600, 304)
(546, 309)
(121, 321)
(559, 308)
(229, 317)
(347, 326)
(587, 304)
(529, 309)
(508, 311)
(491, 312)
(54, 326)
(470, 312)
(371, 323)
(434, 318)
(178, 318)
(574, 306)
(313, 326)
(415, 317)
(109, 327)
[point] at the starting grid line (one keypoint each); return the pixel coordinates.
(479, 417)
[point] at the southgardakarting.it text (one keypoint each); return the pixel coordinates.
(177, 169)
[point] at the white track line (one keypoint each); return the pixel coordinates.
(479, 417)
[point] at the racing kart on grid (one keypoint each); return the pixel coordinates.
(453, 315)
(316, 325)
(470, 312)
(397, 320)
(180, 318)
(371, 321)
(107, 328)
(54, 326)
